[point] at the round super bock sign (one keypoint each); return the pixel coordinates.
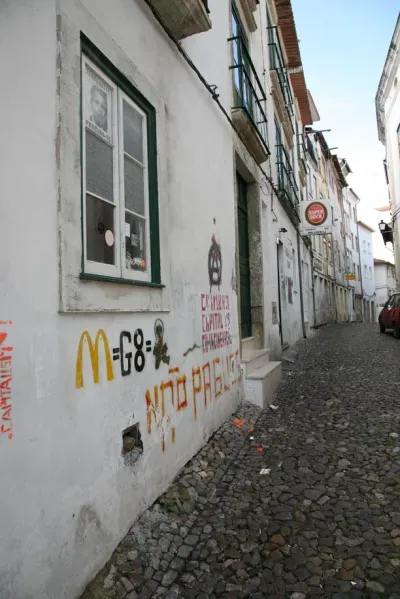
(316, 214)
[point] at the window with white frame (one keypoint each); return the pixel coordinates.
(365, 271)
(119, 180)
(370, 272)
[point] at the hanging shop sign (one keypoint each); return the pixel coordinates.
(316, 217)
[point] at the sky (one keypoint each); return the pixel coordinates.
(343, 46)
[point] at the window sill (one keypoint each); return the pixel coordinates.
(90, 277)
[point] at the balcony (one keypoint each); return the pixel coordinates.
(249, 111)
(249, 7)
(184, 17)
(281, 91)
(301, 152)
(287, 186)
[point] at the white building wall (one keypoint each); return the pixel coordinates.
(68, 495)
(391, 108)
(384, 281)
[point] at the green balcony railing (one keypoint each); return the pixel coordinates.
(286, 181)
(302, 150)
(278, 64)
(249, 93)
(310, 151)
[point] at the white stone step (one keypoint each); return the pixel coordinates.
(260, 385)
(249, 343)
(252, 359)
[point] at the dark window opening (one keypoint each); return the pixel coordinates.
(132, 446)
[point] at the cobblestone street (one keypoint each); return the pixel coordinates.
(322, 520)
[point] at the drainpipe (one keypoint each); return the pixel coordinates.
(334, 277)
(303, 324)
(279, 293)
(313, 287)
(334, 267)
(359, 258)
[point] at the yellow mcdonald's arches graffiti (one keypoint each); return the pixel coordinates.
(94, 357)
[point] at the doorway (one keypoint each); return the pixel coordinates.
(244, 258)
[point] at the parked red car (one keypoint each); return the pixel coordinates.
(389, 318)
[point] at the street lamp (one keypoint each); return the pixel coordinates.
(386, 232)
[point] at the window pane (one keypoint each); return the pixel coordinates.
(133, 132)
(135, 234)
(99, 167)
(134, 186)
(100, 242)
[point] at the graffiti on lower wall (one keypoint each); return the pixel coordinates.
(130, 352)
(215, 322)
(6, 377)
(160, 348)
(195, 391)
(206, 385)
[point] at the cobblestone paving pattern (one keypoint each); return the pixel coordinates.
(324, 522)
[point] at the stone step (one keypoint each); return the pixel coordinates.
(249, 343)
(260, 385)
(252, 359)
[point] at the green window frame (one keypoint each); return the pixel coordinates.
(241, 56)
(119, 189)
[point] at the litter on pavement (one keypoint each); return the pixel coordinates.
(243, 425)
(265, 470)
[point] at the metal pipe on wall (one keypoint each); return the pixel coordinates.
(303, 324)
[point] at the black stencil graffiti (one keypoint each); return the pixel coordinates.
(214, 264)
(126, 358)
(139, 359)
(160, 350)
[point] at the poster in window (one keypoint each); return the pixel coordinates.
(98, 105)
(136, 243)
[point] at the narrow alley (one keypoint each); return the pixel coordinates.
(305, 505)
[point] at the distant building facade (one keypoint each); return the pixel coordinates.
(367, 270)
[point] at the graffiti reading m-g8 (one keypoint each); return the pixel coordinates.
(122, 352)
